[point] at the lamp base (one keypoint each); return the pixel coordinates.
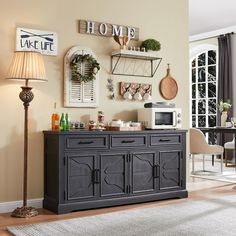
(24, 212)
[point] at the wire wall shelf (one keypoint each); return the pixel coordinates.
(134, 63)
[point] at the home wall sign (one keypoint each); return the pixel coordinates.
(44, 42)
(107, 29)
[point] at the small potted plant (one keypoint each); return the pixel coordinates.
(151, 45)
(223, 108)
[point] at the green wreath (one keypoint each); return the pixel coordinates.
(93, 65)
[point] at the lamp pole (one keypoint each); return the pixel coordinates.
(26, 96)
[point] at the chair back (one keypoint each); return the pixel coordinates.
(198, 143)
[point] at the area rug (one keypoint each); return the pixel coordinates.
(214, 217)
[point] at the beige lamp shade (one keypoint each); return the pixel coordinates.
(27, 65)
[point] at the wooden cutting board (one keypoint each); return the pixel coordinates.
(168, 86)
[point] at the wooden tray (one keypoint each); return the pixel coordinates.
(111, 128)
(168, 86)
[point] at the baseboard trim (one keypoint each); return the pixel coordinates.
(10, 206)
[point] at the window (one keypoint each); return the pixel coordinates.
(204, 82)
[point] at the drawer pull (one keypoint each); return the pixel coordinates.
(85, 142)
(164, 140)
(127, 141)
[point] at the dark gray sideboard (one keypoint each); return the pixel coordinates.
(92, 169)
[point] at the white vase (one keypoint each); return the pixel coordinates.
(223, 118)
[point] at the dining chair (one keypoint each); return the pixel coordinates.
(199, 145)
(229, 146)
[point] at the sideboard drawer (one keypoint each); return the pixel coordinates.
(77, 142)
(165, 139)
(128, 141)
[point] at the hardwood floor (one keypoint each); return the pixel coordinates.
(198, 189)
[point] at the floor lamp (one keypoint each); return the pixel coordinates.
(26, 66)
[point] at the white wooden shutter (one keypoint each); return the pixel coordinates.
(77, 94)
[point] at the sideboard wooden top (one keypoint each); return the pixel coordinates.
(86, 131)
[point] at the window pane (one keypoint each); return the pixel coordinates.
(212, 106)
(211, 57)
(202, 59)
(193, 75)
(211, 73)
(201, 106)
(201, 74)
(193, 121)
(211, 121)
(202, 90)
(211, 90)
(193, 106)
(201, 121)
(194, 91)
(194, 63)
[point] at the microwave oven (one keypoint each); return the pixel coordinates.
(160, 118)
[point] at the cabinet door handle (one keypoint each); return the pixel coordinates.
(96, 176)
(128, 189)
(164, 140)
(155, 171)
(127, 141)
(85, 142)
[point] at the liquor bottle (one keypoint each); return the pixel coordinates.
(62, 123)
(67, 125)
(57, 122)
(55, 119)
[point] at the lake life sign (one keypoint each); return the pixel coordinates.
(44, 42)
(107, 29)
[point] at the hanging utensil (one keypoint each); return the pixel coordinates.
(168, 86)
(125, 40)
(117, 39)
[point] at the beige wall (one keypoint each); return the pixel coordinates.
(165, 20)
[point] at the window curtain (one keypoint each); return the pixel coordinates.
(225, 87)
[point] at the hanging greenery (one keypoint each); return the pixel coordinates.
(92, 64)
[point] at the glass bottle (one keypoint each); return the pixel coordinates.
(100, 124)
(55, 119)
(228, 123)
(100, 117)
(62, 123)
(67, 123)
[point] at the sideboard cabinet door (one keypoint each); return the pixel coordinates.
(144, 172)
(171, 165)
(114, 171)
(81, 171)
